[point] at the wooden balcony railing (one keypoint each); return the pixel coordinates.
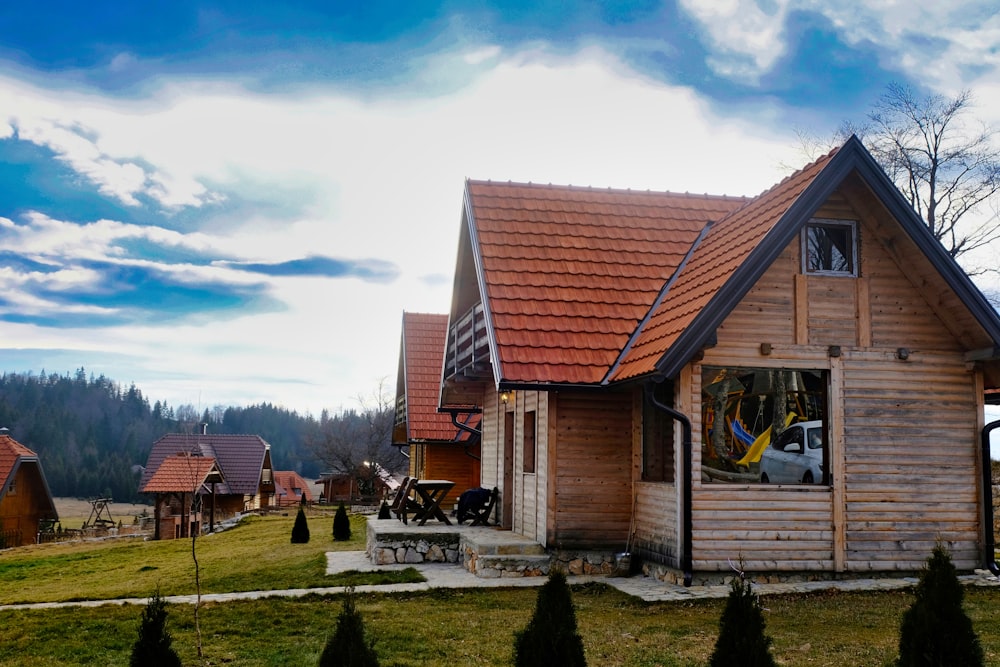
(468, 346)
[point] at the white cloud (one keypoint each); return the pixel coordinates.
(382, 178)
(935, 42)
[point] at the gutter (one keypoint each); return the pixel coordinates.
(989, 546)
(686, 538)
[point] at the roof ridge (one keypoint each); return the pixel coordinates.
(569, 187)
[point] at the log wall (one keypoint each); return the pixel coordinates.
(593, 444)
(904, 438)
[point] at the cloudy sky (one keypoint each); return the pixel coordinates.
(233, 202)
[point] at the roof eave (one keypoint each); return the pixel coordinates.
(477, 258)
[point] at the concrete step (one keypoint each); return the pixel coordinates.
(522, 565)
(490, 542)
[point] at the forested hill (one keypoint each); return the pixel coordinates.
(92, 435)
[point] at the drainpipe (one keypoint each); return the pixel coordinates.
(686, 539)
(990, 547)
(477, 434)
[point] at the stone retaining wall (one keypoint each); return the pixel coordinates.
(410, 548)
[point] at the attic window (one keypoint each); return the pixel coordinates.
(829, 247)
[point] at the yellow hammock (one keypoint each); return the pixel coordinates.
(762, 441)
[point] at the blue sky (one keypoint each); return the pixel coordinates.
(233, 202)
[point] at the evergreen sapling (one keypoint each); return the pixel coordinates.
(742, 641)
(348, 646)
(550, 637)
(935, 631)
(341, 525)
(152, 648)
(300, 531)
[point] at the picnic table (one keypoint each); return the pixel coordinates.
(429, 494)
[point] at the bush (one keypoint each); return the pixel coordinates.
(935, 629)
(551, 638)
(383, 511)
(152, 648)
(341, 525)
(348, 646)
(742, 641)
(300, 531)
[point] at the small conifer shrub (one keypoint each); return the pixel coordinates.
(341, 525)
(742, 641)
(348, 647)
(300, 531)
(383, 511)
(152, 648)
(935, 629)
(550, 637)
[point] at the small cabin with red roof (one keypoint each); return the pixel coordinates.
(244, 462)
(25, 499)
(177, 483)
(289, 488)
(441, 445)
(793, 381)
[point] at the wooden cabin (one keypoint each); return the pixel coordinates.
(25, 499)
(289, 489)
(647, 362)
(441, 445)
(178, 479)
(244, 460)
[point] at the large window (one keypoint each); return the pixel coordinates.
(766, 425)
(830, 247)
(658, 436)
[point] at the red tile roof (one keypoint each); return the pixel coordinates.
(587, 286)
(10, 451)
(571, 271)
(424, 336)
(13, 455)
(286, 481)
(725, 248)
(181, 472)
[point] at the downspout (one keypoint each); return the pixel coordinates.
(989, 548)
(476, 433)
(686, 539)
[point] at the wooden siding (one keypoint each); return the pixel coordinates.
(21, 511)
(656, 522)
(903, 433)
(449, 461)
(593, 500)
(911, 466)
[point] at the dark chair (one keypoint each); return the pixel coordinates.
(481, 515)
(404, 503)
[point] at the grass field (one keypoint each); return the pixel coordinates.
(460, 627)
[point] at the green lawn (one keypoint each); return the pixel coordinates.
(451, 627)
(256, 555)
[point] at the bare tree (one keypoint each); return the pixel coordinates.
(944, 163)
(353, 441)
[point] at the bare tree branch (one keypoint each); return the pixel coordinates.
(944, 163)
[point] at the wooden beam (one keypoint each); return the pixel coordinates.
(801, 309)
(838, 463)
(864, 312)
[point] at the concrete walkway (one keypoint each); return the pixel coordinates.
(441, 575)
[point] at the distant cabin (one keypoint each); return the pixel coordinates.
(25, 499)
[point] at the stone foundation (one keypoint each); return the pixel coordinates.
(595, 563)
(409, 547)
